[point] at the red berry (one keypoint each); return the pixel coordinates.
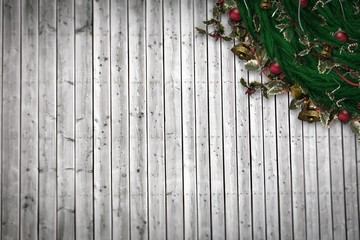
(341, 35)
(234, 14)
(303, 3)
(220, 1)
(275, 68)
(358, 105)
(344, 116)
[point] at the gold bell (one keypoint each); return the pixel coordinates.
(242, 51)
(296, 92)
(326, 52)
(309, 113)
(265, 4)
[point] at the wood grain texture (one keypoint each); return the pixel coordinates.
(350, 181)
(229, 115)
(271, 169)
(202, 126)
(337, 182)
(156, 117)
(284, 167)
(84, 154)
(297, 175)
(65, 121)
(310, 175)
(243, 153)
(188, 119)
(324, 182)
(216, 141)
(138, 127)
(11, 112)
(47, 119)
(120, 120)
(1, 99)
(173, 119)
(257, 162)
(29, 123)
(102, 121)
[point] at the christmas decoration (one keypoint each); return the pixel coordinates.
(234, 15)
(265, 4)
(275, 68)
(325, 52)
(296, 92)
(242, 51)
(344, 116)
(341, 35)
(309, 113)
(304, 3)
(307, 48)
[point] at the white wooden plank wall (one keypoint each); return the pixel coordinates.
(119, 121)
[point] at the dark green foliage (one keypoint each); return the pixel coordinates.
(297, 46)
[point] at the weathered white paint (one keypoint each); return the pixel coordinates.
(202, 137)
(65, 97)
(229, 115)
(138, 121)
(284, 167)
(337, 182)
(102, 120)
(297, 177)
(11, 120)
(350, 182)
(84, 217)
(310, 177)
(47, 120)
(119, 121)
(173, 119)
(156, 126)
(324, 182)
(1, 94)
(271, 169)
(188, 120)
(29, 123)
(243, 153)
(216, 146)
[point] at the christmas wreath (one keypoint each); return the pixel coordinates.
(306, 47)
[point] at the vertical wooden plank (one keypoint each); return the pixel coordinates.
(65, 121)
(1, 99)
(257, 162)
(297, 173)
(29, 121)
(243, 154)
(102, 121)
(11, 120)
(357, 149)
(324, 182)
(84, 120)
(337, 182)
(311, 186)
(230, 134)
(173, 119)
(202, 125)
(155, 113)
(138, 135)
(350, 178)
(284, 166)
(215, 135)
(188, 110)
(47, 119)
(120, 119)
(271, 169)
